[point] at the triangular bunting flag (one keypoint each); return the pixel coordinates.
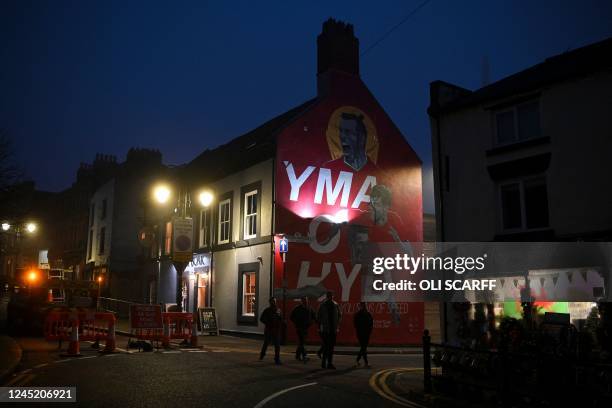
(516, 283)
(542, 280)
(570, 276)
(583, 273)
(555, 279)
(502, 281)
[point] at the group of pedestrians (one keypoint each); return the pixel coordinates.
(327, 318)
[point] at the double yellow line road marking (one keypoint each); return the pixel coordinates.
(378, 382)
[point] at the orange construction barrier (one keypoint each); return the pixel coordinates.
(58, 326)
(177, 325)
(80, 326)
(95, 326)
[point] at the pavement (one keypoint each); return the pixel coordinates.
(10, 351)
(10, 356)
(251, 344)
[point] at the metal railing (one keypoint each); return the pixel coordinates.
(120, 307)
(513, 378)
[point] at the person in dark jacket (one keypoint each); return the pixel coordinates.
(329, 317)
(302, 317)
(271, 318)
(363, 323)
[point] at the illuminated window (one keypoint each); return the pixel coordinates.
(225, 210)
(518, 123)
(204, 223)
(249, 290)
(524, 204)
(250, 214)
(168, 239)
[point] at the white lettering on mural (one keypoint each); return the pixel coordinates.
(346, 282)
(325, 183)
(362, 197)
(343, 184)
(305, 280)
(296, 182)
(329, 244)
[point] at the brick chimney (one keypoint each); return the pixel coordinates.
(337, 52)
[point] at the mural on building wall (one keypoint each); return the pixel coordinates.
(347, 180)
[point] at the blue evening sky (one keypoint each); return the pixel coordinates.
(80, 77)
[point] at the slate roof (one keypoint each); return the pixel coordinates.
(243, 151)
(577, 63)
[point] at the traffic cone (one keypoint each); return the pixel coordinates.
(110, 337)
(194, 331)
(74, 349)
(166, 336)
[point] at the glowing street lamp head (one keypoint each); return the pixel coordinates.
(161, 193)
(6, 226)
(32, 276)
(99, 279)
(31, 227)
(206, 198)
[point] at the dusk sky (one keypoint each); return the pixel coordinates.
(81, 77)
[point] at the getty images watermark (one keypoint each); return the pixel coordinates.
(495, 271)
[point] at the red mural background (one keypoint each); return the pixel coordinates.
(327, 164)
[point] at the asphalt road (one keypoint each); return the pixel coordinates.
(205, 378)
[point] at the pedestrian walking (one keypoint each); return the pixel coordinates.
(363, 323)
(329, 317)
(302, 317)
(271, 318)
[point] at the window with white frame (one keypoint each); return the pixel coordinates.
(224, 230)
(204, 227)
(518, 123)
(524, 204)
(249, 289)
(250, 214)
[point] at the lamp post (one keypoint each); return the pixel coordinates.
(14, 230)
(98, 298)
(162, 194)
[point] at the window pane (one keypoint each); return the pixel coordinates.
(536, 204)
(505, 127)
(249, 286)
(511, 206)
(528, 120)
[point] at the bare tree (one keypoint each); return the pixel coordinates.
(10, 172)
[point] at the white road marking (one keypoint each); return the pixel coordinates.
(85, 358)
(281, 392)
(40, 365)
(220, 351)
(171, 352)
(198, 351)
(63, 361)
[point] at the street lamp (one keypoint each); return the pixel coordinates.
(206, 198)
(31, 227)
(98, 299)
(161, 193)
(6, 226)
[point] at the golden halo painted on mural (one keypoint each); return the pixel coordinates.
(351, 135)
